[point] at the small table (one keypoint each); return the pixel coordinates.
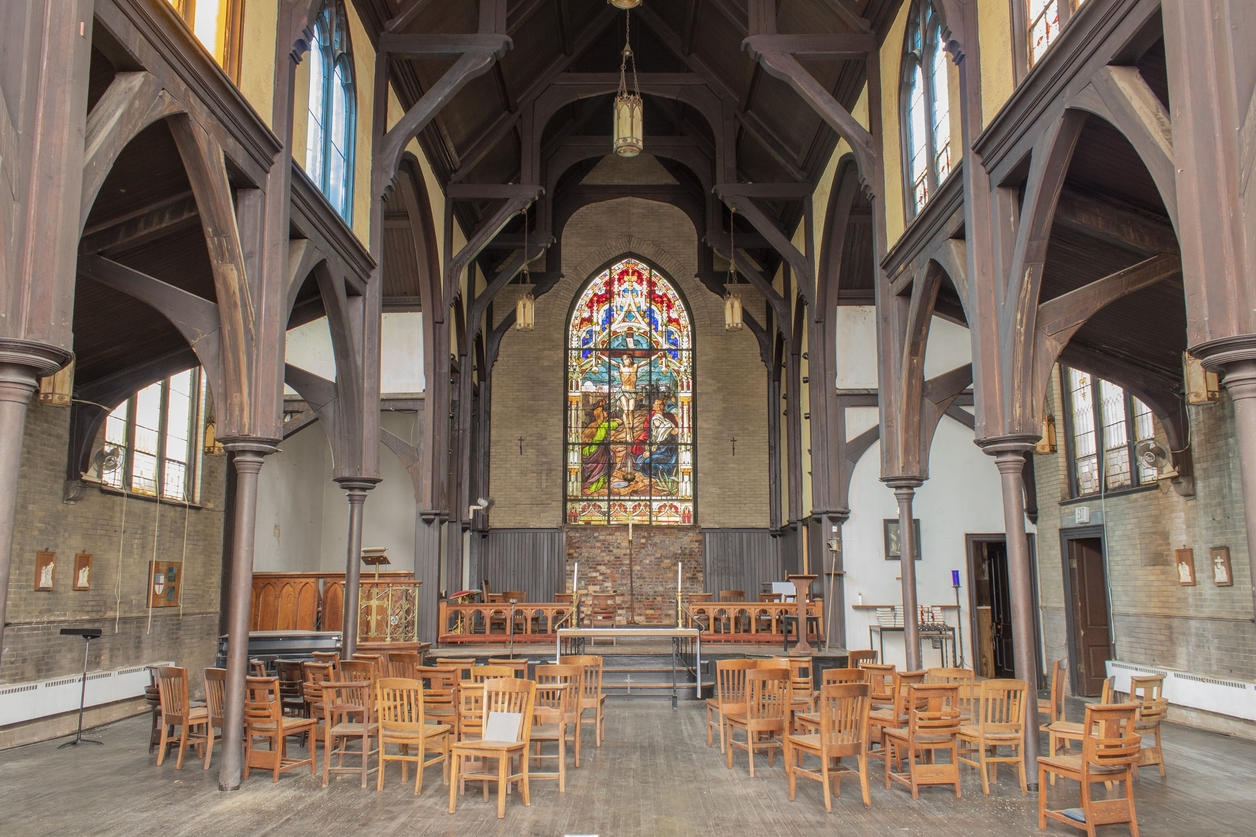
(577, 637)
(939, 634)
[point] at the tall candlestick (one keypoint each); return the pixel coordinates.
(679, 564)
(630, 528)
(575, 575)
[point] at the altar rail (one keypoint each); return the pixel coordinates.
(533, 622)
(748, 621)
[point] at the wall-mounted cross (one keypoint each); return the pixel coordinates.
(521, 446)
(734, 441)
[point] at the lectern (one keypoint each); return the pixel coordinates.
(802, 583)
(87, 634)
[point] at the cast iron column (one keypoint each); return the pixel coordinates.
(17, 385)
(1240, 382)
(356, 491)
(1010, 459)
(247, 455)
(905, 491)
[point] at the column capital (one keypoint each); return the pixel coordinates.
(1005, 448)
(903, 484)
(356, 487)
(1221, 355)
(40, 358)
(249, 453)
(840, 515)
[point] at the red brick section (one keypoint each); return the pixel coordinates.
(604, 567)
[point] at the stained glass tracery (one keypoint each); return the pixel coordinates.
(630, 401)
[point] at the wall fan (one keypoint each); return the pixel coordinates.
(1152, 455)
(107, 460)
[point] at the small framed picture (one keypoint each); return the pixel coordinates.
(1219, 558)
(45, 570)
(1185, 561)
(893, 552)
(82, 571)
(165, 582)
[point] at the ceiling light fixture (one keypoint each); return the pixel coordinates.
(624, 4)
(629, 116)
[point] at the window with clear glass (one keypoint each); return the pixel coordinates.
(1046, 19)
(629, 402)
(218, 25)
(332, 108)
(1105, 420)
(925, 98)
(154, 434)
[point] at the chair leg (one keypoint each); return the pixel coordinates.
(279, 744)
(1042, 797)
(209, 745)
(789, 768)
(502, 765)
(983, 753)
(824, 773)
(862, 759)
(183, 745)
(453, 783)
(750, 737)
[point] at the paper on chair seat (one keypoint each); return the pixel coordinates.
(502, 726)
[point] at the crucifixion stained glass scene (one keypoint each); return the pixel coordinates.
(630, 401)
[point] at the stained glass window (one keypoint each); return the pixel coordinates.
(1102, 415)
(630, 409)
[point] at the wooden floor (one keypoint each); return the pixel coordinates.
(653, 776)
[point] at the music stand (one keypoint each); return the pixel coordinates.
(88, 634)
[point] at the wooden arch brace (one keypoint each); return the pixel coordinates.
(738, 197)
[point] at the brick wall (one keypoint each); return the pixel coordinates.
(116, 601)
(528, 382)
(1203, 629)
(646, 584)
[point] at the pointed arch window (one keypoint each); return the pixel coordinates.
(332, 109)
(630, 410)
(926, 112)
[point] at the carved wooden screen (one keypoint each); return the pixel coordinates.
(630, 401)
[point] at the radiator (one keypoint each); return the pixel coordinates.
(20, 702)
(1223, 696)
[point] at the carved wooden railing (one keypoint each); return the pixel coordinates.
(532, 622)
(747, 621)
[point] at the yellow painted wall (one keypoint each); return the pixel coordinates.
(257, 56)
(364, 86)
(891, 67)
(994, 34)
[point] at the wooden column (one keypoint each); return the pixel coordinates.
(355, 490)
(247, 456)
(905, 491)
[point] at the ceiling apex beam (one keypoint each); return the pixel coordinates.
(491, 191)
(411, 46)
(812, 46)
(770, 191)
(402, 20)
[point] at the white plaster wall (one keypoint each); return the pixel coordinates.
(949, 346)
(401, 353)
(961, 497)
(290, 503)
(309, 347)
(856, 347)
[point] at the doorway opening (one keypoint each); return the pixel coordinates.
(990, 605)
(1087, 611)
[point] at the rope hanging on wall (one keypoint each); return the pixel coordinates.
(117, 584)
(149, 594)
(187, 513)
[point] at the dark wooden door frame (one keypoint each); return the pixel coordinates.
(1075, 534)
(971, 540)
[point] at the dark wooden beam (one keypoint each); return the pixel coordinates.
(429, 46)
(692, 16)
(409, 12)
(564, 25)
(845, 9)
(136, 228)
(1115, 225)
(829, 47)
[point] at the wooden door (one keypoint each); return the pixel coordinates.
(1092, 644)
(1000, 610)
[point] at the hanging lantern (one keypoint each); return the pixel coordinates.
(629, 113)
(57, 389)
(732, 311)
(212, 446)
(1047, 443)
(624, 4)
(525, 312)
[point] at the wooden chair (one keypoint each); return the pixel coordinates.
(350, 717)
(378, 660)
(315, 675)
(763, 717)
(809, 721)
(603, 611)
(520, 667)
(801, 685)
(257, 668)
(1052, 711)
(881, 679)
(152, 698)
(897, 715)
(932, 726)
(399, 702)
(481, 673)
(402, 664)
(968, 688)
(556, 716)
(730, 694)
(1147, 690)
(264, 719)
(355, 671)
(509, 695)
(215, 702)
(470, 712)
(1109, 753)
(440, 694)
(176, 711)
(855, 659)
(998, 721)
(843, 731)
(290, 676)
(461, 665)
(1062, 734)
(330, 658)
(591, 697)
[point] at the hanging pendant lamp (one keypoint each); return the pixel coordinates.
(629, 115)
(732, 300)
(525, 308)
(624, 4)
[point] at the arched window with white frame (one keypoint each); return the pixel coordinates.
(332, 109)
(925, 103)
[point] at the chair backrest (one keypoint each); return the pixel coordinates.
(354, 670)
(403, 664)
(1110, 740)
(562, 598)
(348, 700)
(330, 658)
(732, 595)
(515, 596)
(378, 661)
(1108, 695)
(933, 708)
(767, 694)
(1146, 688)
(558, 690)
(316, 674)
(801, 682)
(730, 680)
(481, 673)
(215, 694)
(590, 676)
(438, 678)
(699, 598)
(288, 671)
(519, 667)
(1001, 705)
(462, 665)
(470, 710)
(903, 681)
(172, 686)
(510, 694)
(399, 705)
(843, 709)
(949, 675)
(261, 702)
(603, 608)
(855, 659)
(257, 668)
(1055, 697)
(843, 675)
(769, 597)
(881, 678)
